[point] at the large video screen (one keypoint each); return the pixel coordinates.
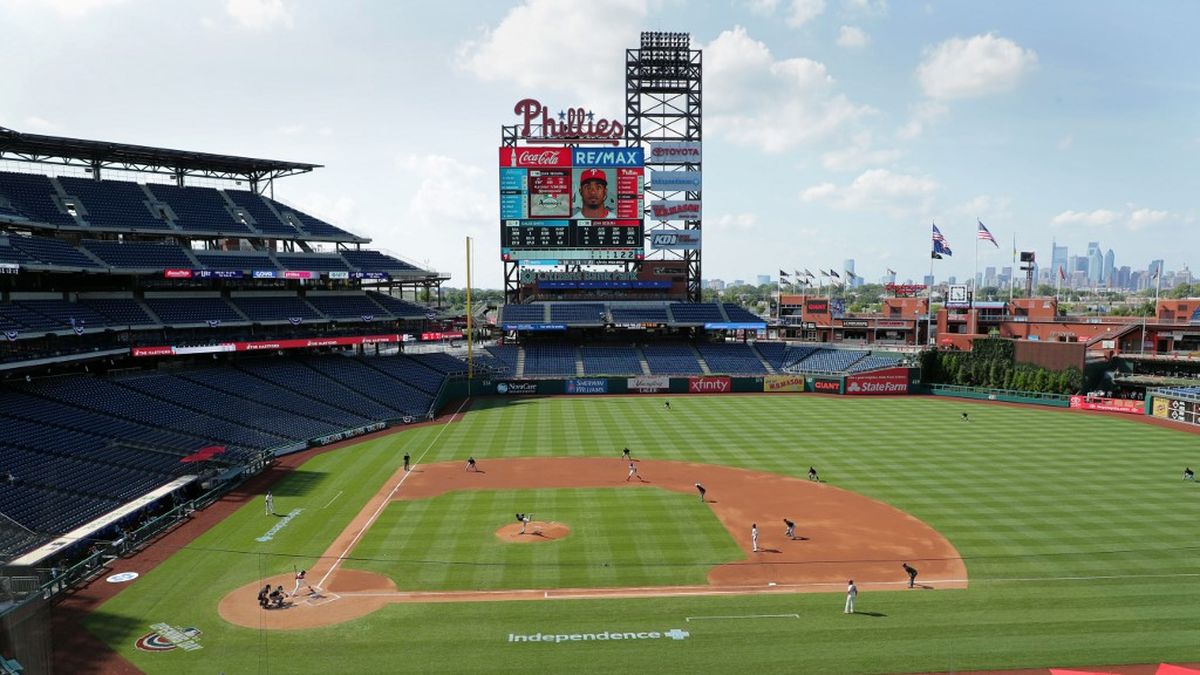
(578, 205)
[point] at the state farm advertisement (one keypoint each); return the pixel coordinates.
(783, 383)
(169, 350)
(1117, 405)
(886, 381)
(710, 385)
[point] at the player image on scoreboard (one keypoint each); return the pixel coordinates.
(594, 199)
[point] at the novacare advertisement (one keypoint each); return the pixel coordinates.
(773, 383)
(887, 381)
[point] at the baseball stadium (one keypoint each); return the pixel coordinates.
(235, 437)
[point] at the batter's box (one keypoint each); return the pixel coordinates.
(318, 599)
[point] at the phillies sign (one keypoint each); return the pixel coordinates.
(709, 385)
(886, 381)
(537, 124)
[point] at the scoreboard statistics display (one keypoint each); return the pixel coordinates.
(561, 204)
(1175, 409)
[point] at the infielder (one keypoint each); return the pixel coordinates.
(791, 528)
(632, 473)
(701, 490)
(270, 502)
(754, 536)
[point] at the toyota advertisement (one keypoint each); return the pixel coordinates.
(879, 382)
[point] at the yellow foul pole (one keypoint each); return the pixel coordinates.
(470, 333)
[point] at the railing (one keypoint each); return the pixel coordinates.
(986, 393)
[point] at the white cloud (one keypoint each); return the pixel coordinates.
(537, 46)
(803, 11)
(1140, 219)
(761, 7)
(858, 154)
(259, 15)
(739, 222)
(976, 66)
(852, 37)
(451, 200)
(877, 190)
(36, 124)
(67, 9)
(771, 104)
(290, 129)
(1065, 142)
(866, 7)
(991, 210)
(1095, 218)
(924, 114)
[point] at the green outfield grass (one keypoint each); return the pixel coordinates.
(638, 537)
(1079, 536)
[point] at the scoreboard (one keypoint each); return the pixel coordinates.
(1176, 409)
(545, 218)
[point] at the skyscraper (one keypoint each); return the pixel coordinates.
(1058, 259)
(1109, 263)
(1095, 263)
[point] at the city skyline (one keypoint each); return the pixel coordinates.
(844, 127)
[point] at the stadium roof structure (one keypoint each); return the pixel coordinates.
(98, 155)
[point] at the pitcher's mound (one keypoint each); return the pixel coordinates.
(535, 531)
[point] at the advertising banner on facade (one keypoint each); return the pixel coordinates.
(710, 385)
(825, 386)
(887, 381)
(649, 385)
(516, 388)
(675, 181)
(1117, 405)
(775, 383)
(674, 153)
(303, 343)
(595, 385)
(675, 209)
(676, 240)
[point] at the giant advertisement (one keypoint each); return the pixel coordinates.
(571, 204)
(710, 385)
(675, 152)
(676, 240)
(886, 381)
(777, 383)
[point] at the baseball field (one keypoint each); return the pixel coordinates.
(1044, 538)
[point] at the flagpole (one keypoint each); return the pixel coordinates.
(1012, 273)
(974, 284)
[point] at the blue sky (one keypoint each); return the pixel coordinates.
(833, 129)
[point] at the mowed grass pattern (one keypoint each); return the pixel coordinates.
(1079, 536)
(639, 536)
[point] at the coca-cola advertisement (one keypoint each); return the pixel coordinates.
(536, 158)
(710, 385)
(886, 381)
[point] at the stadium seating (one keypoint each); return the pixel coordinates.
(114, 204)
(311, 224)
(505, 354)
(199, 209)
(731, 359)
(373, 379)
(297, 377)
(550, 360)
(316, 262)
(578, 314)
(241, 383)
(830, 361)
(265, 220)
(739, 314)
(696, 313)
(624, 314)
(9, 254)
(16, 317)
(534, 313)
(67, 314)
(772, 352)
(33, 196)
(52, 252)
(193, 310)
(441, 362)
(398, 307)
(374, 261)
(611, 360)
(275, 308)
(239, 261)
(875, 361)
(671, 359)
(352, 306)
(120, 311)
(793, 356)
(136, 255)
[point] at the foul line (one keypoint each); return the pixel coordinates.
(339, 494)
(388, 499)
(744, 616)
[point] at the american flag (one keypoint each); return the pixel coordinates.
(1061, 274)
(834, 274)
(891, 271)
(940, 247)
(985, 235)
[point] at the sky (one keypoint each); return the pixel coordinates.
(833, 129)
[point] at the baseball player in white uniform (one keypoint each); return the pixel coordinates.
(754, 536)
(851, 596)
